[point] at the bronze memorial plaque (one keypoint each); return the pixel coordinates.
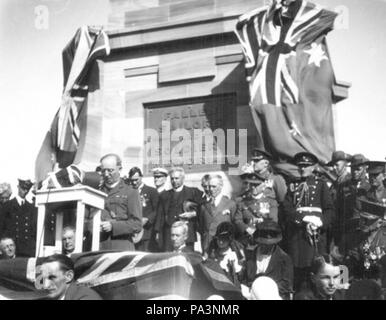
(190, 133)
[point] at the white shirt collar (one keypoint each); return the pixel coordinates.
(179, 189)
(180, 248)
(113, 185)
(217, 200)
(161, 188)
(20, 200)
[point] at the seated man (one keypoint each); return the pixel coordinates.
(179, 234)
(68, 241)
(7, 249)
(58, 280)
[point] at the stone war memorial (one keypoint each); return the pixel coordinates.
(171, 92)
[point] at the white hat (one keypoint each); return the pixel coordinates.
(264, 288)
(160, 171)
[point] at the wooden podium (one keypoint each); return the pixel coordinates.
(82, 196)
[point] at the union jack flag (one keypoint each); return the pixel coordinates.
(125, 276)
(78, 56)
(290, 76)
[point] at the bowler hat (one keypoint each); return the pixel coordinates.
(358, 160)
(305, 159)
(267, 232)
(258, 154)
(338, 156)
(25, 184)
(376, 167)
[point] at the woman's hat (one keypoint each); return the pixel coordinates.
(225, 229)
(267, 232)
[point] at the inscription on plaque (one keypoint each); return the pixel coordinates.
(190, 133)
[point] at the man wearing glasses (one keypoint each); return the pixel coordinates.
(122, 217)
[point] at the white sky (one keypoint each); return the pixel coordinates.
(31, 75)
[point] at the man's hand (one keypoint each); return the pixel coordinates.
(106, 226)
(144, 221)
(188, 215)
(250, 230)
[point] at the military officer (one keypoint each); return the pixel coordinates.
(262, 165)
(342, 194)
(256, 206)
(20, 218)
(308, 211)
(377, 192)
(359, 166)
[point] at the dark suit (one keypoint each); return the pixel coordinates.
(311, 294)
(170, 206)
(124, 211)
(20, 225)
(280, 269)
(149, 200)
(210, 217)
(75, 292)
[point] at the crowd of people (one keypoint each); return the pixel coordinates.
(320, 235)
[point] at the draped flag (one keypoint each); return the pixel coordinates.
(79, 55)
(125, 276)
(290, 77)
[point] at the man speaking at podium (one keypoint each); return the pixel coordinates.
(122, 217)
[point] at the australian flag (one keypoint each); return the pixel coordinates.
(290, 77)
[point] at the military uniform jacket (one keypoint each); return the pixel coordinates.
(312, 193)
(123, 209)
(210, 217)
(149, 200)
(20, 225)
(248, 208)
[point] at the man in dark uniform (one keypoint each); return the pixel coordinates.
(122, 217)
(255, 207)
(149, 200)
(20, 218)
(171, 208)
(160, 176)
(359, 166)
(343, 197)
(308, 211)
(262, 166)
(377, 192)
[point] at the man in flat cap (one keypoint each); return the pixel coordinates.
(308, 211)
(160, 176)
(262, 165)
(20, 218)
(343, 196)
